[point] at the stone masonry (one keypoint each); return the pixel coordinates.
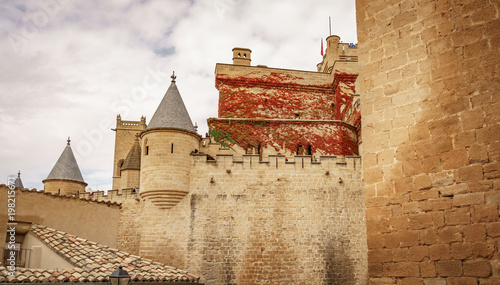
(247, 221)
(431, 136)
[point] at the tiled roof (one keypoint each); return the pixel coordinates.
(172, 113)
(93, 263)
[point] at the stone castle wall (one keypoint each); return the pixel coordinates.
(251, 222)
(431, 138)
(84, 218)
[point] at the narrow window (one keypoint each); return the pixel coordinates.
(172, 149)
(147, 149)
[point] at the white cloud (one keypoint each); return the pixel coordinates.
(75, 65)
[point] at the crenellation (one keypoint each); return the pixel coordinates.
(283, 162)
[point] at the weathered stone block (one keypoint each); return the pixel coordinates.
(450, 234)
(474, 233)
(454, 159)
(439, 252)
(461, 250)
(493, 229)
(418, 253)
(408, 238)
(402, 269)
(449, 268)
(485, 213)
(477, 268)
(468, 199)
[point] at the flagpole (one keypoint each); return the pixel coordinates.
(330, 24)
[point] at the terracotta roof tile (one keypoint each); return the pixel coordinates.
(92, 262)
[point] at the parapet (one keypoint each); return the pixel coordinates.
(111, 195)
(280, 161)
(135, 125)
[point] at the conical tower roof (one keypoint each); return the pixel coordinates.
(172, 113)
(66, 166)
(133, 159)
(18, 182)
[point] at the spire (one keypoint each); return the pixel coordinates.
(172, 113)
(133, 159)
(18, 182)
(66, 166)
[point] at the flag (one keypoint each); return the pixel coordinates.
(321, 46)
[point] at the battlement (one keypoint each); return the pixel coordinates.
(135, 125)
(111, 195)
(280, 161)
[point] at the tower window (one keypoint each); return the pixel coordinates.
(147, 150)
(172, 148)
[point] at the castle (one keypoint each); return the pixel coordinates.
(277, 191)
(280, 167)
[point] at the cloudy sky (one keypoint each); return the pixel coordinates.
(69, 67)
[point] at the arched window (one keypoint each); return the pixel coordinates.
(119, 167)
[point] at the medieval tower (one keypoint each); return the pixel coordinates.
(65, 177)
(168, 142)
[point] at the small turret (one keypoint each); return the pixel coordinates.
(167, 144)
(18, 182)
(65, 176)
(131, 167)
(337, 54)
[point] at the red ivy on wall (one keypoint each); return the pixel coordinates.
(278, 96)
(328, 138)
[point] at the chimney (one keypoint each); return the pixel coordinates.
(241, 56)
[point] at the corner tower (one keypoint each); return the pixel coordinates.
(65, 177)
(167, 144)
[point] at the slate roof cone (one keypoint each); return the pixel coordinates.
(18, 182)
(66, 167)
(172, 113)
(133, 159)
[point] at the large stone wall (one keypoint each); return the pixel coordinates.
(431, 138)
(251, 222)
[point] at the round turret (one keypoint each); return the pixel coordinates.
(65, 177)
(167, 144)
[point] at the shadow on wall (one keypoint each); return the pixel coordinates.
(339, 267)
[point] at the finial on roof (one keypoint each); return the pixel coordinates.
(68, 140)
(19, 173)
(173, 77)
